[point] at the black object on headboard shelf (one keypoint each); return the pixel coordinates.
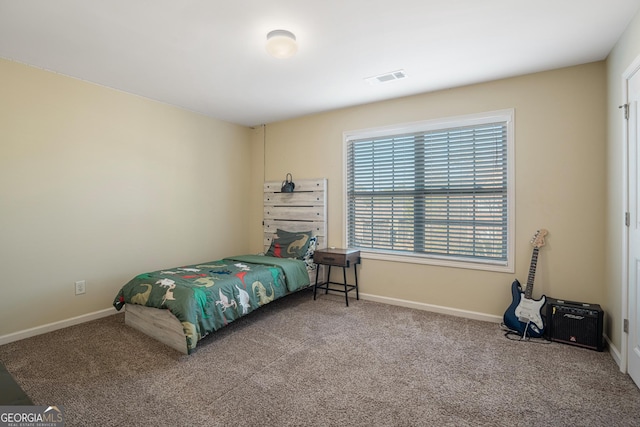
(288, 185)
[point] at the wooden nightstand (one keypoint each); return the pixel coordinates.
(344, 258)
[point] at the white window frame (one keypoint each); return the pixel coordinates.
(506, 116)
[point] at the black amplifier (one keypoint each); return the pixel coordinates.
(574, 323)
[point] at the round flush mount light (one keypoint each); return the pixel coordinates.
(281, 44)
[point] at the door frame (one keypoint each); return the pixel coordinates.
(626, 76)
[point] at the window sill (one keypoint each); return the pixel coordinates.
(441, 262)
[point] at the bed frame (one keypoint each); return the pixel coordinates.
(303, 210)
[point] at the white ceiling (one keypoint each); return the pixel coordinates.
(208, 56)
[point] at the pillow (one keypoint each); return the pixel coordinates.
(286, 244)
(308, 256)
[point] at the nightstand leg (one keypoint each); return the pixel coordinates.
(326, 290)
(315, 287)
(346, 293)
(355, 272)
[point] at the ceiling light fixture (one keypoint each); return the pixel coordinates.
(281, 44)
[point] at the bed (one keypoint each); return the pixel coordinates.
(181, 305)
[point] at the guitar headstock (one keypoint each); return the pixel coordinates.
(538, 239)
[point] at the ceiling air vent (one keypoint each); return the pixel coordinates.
(386, 77)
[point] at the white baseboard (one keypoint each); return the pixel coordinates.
(434, 308)
(49, 327)
(615, 353)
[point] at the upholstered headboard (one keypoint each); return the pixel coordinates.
(303, 210)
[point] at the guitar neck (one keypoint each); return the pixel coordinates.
(528, 292)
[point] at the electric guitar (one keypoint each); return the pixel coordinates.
(523, 315)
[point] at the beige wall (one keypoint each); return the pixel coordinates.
(256, 193)
(621, 57)
(99, 185)
(560, 123)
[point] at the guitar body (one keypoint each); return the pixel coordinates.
(524, 314)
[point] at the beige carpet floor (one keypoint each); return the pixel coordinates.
(299, 362)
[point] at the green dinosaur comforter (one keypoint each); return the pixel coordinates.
(207, 296)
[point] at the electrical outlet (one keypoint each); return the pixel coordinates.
(80, 287)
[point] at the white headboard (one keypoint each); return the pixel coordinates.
(303, 210)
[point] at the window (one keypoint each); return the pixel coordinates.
(433, 192)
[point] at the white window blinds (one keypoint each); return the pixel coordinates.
(439, 192)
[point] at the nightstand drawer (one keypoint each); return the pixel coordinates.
(340, 257)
